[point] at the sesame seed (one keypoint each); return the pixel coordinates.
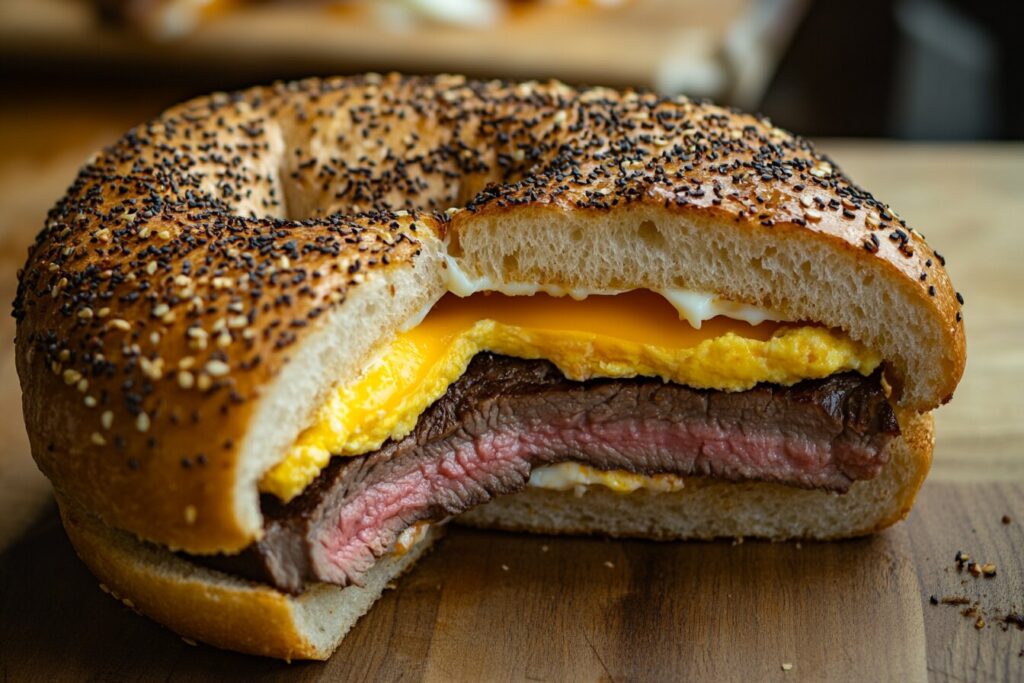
(822, 169)
(217, 368)
(186, 380)
(98, 439)
(107, 419)
(142, 422)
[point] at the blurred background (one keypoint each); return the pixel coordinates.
(77, 73)
(922, 69)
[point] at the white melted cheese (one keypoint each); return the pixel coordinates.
(410, 538)
(694, 307)
(578, 477)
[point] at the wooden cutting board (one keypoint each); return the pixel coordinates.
(494, 606)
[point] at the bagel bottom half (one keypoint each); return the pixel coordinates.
(233, 613)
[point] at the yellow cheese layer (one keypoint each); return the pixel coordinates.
(626, 335)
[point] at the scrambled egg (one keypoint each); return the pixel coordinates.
(626, 335)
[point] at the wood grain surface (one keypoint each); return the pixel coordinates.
(586, 608)
(491, 606)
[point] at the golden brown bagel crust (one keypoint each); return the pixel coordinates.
(191, 259)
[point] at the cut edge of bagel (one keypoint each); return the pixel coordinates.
(335, 355)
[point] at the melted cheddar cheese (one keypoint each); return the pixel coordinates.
(626, 335)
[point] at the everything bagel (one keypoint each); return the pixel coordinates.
(211, 279)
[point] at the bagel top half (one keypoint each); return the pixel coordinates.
(211, 276)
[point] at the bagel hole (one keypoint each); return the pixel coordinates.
(650, 235)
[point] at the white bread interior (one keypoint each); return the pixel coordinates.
(335, 355)
(222, 610)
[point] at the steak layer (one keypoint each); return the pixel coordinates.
(506, 416)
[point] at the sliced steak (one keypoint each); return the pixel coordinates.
(505, 416)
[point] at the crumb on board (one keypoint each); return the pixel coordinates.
(786, 666)
(961, 558)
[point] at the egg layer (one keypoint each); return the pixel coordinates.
(627, 335)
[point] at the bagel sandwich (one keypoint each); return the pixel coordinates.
(272, 341)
